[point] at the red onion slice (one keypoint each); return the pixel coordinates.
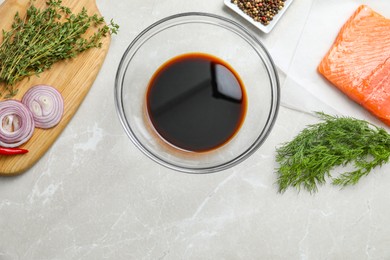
(46, 105)
(16, 123)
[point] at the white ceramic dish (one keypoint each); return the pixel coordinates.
(264, 28)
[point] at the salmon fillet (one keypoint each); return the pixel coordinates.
(358, 63)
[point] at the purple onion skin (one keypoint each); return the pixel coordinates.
(46, 104)
(16, 123)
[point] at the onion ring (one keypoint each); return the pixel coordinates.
(46, 105)
(16, 123)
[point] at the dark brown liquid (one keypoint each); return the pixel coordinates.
(196, 102)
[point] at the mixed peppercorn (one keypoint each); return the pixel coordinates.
(262, 11)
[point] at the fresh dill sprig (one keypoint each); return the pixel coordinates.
(44, 36)
(308, 159)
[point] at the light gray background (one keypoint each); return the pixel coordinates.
(95, 196)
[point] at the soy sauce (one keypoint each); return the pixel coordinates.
(196, 102)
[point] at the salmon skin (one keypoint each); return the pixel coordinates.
(358, 63)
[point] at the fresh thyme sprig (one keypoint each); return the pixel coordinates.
(308, 159)
(43, 37)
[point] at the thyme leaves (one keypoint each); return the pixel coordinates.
(44, 36)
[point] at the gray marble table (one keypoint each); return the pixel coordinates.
(94, 195)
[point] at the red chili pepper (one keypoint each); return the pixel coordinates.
(12, 151)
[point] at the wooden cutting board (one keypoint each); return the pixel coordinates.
(73, 78)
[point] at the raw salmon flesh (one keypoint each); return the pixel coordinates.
(358, 63)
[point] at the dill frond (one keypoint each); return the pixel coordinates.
(307, 161)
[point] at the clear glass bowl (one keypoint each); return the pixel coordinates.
(199, 33)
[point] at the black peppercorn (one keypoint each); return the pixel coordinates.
(262, 11)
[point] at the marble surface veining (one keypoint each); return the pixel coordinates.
(93, 195)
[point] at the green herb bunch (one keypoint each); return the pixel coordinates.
(307, 160)
(43, 37)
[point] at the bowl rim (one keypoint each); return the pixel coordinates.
(261, 137)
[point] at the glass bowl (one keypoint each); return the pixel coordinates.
(197, 33)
